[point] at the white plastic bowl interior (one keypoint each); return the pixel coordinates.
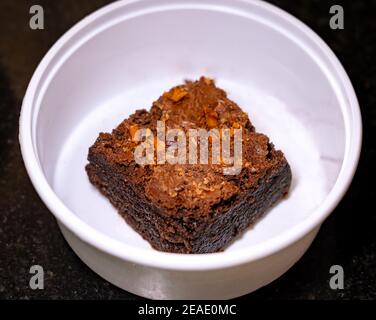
(120, 59)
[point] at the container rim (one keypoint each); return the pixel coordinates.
(174, 261)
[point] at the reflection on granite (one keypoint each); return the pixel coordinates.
(29, 234)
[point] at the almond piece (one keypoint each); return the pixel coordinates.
(176, 94)
(133, 130)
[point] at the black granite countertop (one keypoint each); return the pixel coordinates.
(29, 234)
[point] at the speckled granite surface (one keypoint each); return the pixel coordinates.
(29, 234)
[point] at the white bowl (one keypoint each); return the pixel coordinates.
(121, 58)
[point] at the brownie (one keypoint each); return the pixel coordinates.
(188, 207)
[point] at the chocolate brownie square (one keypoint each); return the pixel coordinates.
(162, 188)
